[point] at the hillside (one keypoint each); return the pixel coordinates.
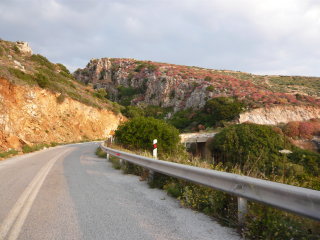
(20, 66)
(183, 86)
(41, 102)
(176, 88)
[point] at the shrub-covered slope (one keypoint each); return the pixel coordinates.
(20, 66)
(143, 82)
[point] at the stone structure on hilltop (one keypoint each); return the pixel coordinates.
(24, 47)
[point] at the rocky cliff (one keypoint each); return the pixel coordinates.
(280, 114)
(129, 81)
(31, 115)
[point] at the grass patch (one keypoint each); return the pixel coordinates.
(100, 153)
(115, 162)
(36, 147)
(9, 153)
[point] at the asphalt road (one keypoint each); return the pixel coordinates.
(67, 192)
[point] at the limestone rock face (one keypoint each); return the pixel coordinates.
(24, 47)
(157, 87)
(280, 114)
(30, 115)
(183, 87)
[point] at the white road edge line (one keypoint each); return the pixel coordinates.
(22, 207)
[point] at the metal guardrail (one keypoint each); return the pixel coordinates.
(298, 200)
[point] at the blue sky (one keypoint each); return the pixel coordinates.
(263, 37)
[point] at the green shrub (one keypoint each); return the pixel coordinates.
(130, 168)
(1, 52)
(133, 111)
(16, 49)
(67, 75)
(310, 160)
(126, 94)
(63, 68)
(265, 222)
(210, 88)
(182, 119)
(139, 133)
(148, 111)
(100, 93)
(116, 108)
(255, 150)
(102, 74)
(54, 144)
(208, 78)
(223, 108)
(42, 80)
(195, 84)
(142, 65)
(250, 146)
(37, 58)
(214, 113)
(127, 91)
(174, 189)
(37, 147)
(115, 162)
(207, 200)
(100, 153)
(61, 98)
(21, 75)
(157, 111)
(172, 94)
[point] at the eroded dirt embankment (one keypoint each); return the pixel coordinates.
(31, 115)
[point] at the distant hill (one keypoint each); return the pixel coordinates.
(176, 88)
(183, 86)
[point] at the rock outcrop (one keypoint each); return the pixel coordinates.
(154, 86)
(183, 87)
(30, 115)
(280, 114)
(24, 47)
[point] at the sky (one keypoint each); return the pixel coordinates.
(261, 37)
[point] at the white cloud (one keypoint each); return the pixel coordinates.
(254, 36)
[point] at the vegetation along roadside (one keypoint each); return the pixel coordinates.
(235, 151)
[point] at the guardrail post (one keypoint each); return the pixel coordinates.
(108, 156)
(155, 149)
(242, 210)
(155, 155)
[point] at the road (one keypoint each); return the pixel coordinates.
(67, 192)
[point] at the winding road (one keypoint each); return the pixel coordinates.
(67, 192)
